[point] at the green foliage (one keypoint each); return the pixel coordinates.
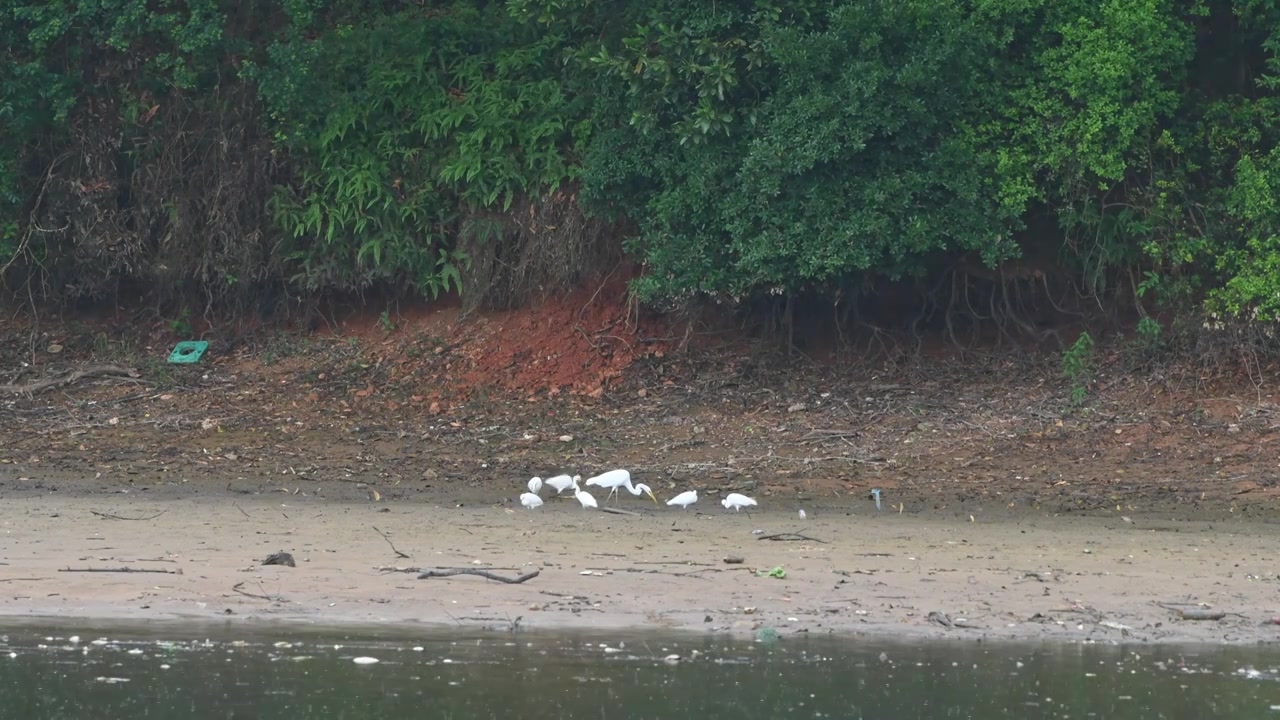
(762, 146)
(1150, 336)
(1077, 368)
(400, 125)
(800, 144)
(386, 323)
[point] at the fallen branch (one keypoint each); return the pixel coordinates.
(788, 537)
(109, 516)
(4, 580)
(122, 570)
(75, 376)
(1200, 614)
(393, 547)
(449, 572)
(397, 569)
(619, 511)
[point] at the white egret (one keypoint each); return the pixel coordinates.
(642, 488)
(584, 498)
(530, 500)
(615, 480)
(737, 501)
(684, 499)
(535, 485)
(560, 483)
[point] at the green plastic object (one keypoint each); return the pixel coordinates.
(188, 352)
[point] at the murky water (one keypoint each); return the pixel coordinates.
(176, 672)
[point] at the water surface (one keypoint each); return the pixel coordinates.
(176, 672)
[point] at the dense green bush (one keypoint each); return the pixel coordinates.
(769, 146)
(397, 128)
(793, 144)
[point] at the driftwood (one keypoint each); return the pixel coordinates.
(1200, 614)
(75, 376)
(123, 570)
(449, 572)
(791, 536)
(619, 511)
(109, 516)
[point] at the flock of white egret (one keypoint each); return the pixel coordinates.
(613, 481)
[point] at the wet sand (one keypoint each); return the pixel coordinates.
(861, 573)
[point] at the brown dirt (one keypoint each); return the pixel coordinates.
(438, 419)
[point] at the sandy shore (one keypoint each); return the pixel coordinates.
(872, 573)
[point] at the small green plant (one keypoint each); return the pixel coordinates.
(1077, 367)
(386, 323)
(1150, 338)
(181, 325)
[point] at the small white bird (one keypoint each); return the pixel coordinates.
(737, 501)
(535, 485)
(584, 498)
(530, 500)
(560, 483)
(684, 499)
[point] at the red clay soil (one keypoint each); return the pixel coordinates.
(579, 343)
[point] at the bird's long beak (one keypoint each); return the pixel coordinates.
(651, 497)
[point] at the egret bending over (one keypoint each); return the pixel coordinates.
(530, 500)
(584, 498)
(615, 480)
(684, 499)
(560, 483)
(737, 501)
(535, 485)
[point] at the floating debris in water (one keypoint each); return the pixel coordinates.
(365, 660)
(111, 680)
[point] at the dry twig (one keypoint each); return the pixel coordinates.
(393, 547)
(255, 596)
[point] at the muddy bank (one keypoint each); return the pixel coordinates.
(861, 572)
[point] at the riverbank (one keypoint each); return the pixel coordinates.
(859, 572)
(1008, 508)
